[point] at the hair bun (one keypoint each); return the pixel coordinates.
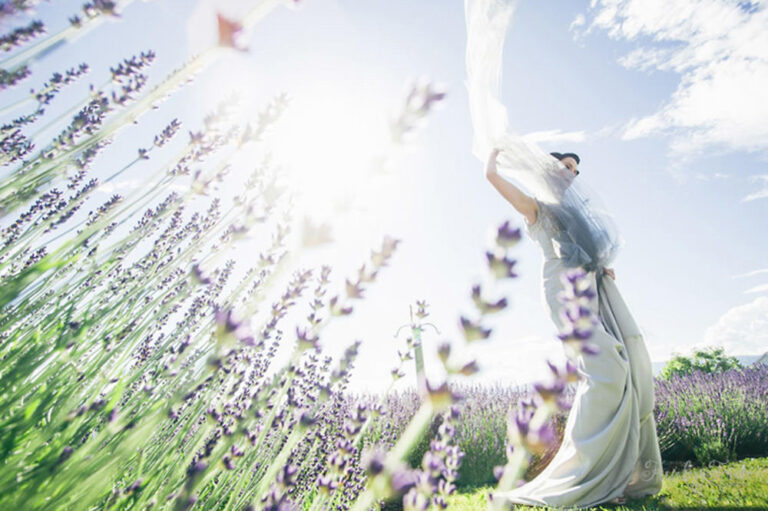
(560, 156)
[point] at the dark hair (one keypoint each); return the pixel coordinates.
(560, 156)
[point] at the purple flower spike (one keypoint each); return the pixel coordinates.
(507, 237)
(498, 472)
(444, 351)
(571, 373)
(287, 475)
(487, 307)
(553, 368)
(415, 500)
(567, 375)
(403, 480)
(306, 342)
(540, 440)
(306, 419)
(249, 340)
(469, 368)
(550, 393)
(367, 276)
(574, 274)
(226, 320)
(536, 441)
(373, 461)
(421, 312)
(563, 404)
(326, 483)
(517, 429)
(528, 405)
(473, 331)
(229, 327)
(441, 396)
(353, 290)
(501, 268)
(337, 309)
(571, 334)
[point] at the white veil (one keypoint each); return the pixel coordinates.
(587, 233)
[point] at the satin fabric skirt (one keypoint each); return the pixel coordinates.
(610, 447)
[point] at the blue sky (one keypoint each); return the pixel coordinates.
(663, 107)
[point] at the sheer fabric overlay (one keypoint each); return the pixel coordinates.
(587, 234)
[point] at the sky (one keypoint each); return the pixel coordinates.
(663, 101)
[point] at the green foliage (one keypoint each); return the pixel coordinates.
(484, 445)
(708, 360)
(712, 450)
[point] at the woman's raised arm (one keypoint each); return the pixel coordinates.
(523, 203)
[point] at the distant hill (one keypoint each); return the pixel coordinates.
(744, 359)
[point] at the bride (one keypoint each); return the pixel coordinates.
(610, 448)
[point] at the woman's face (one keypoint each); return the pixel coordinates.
(572, 165)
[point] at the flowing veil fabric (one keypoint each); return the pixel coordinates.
(588, 236)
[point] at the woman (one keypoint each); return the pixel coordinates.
(610, 449)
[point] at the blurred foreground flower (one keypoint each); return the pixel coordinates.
(422, 97)
(507, 237)
(531, 430)
(230, 33)
(313, 235)
(501, 265)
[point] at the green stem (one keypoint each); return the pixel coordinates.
(395, 456)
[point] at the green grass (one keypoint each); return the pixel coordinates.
(737, 485)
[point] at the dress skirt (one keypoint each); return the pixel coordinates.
(610, 447)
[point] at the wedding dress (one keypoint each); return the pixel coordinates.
(609, 448)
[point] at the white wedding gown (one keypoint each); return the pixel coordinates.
(610, 448)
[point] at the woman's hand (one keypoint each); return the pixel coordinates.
(609, 272)
(490, 166)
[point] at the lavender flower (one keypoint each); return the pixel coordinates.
(21, 35)
(422, 97)
(501, 266)
(507, 237)
(484, 306)
(472, 330)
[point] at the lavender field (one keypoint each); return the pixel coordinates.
(167, 308)
(701, 419)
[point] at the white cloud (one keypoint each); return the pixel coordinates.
(757, 289)
(742, 330)
(578, 21)
(555, 136)
(760, 194)
(751, 273)
(760, 288)
(720, 49)
(710, 177)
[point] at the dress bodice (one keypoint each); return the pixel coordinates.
(543, 231)
(546, 232)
